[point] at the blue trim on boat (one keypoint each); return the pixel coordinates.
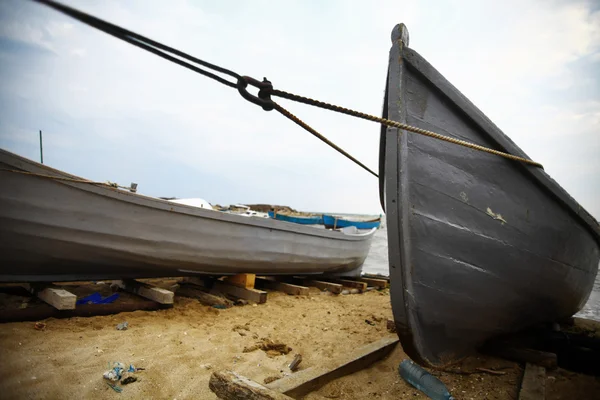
(330, 222)
(317, 220)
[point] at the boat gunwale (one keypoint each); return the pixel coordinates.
(141, 200)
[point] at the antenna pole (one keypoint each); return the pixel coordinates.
(41, 149)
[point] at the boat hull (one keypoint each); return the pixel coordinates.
(332, 222)
(479, 245)
(53, 230)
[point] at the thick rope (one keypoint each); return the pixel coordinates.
(160, 50)
(298, 121)
(400, 125)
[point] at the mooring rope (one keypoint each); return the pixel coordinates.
(265, 88)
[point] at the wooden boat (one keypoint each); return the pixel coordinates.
(334, 222)
(479, 245)
(58, 227)
(314, 220)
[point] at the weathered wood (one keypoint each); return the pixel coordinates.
(55, 296)
(203, 297)
(194, 280)
(379, 283)
(376, 276)
(533, 386)
(255, 295)
(282, 287)
(544, 359)
(302, 382)
(159, 295)
(228, 385)
(242, 280)
(361, 286)
(334, 288)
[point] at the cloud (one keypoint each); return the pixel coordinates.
(112, 111)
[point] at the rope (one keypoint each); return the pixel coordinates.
(265, 87)
(62, 178)
(298, 121)
(144, 43)
(400, 125)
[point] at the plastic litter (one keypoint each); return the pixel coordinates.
(96, 298)
(424, 381)
(122, 326)
(115, 373)
(40, 326)
(115, 388)
(219, 306)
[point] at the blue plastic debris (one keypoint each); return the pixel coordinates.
(219, 306)
(115, 388)
(96, 298)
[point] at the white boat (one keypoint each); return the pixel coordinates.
(194, 202)
(58, 227)
(245, 211)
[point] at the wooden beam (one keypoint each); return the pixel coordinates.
(56, 297)
(257, 296)
(194, 280)
(304, 381)
(159, 295)
(533, 386)
(288, 288)
(380, 283)
(376, 276)
(228, 385)
(205, 298)
(241, 280)
(335, 288)
(361, 286)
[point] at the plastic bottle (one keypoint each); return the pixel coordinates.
(424, 381)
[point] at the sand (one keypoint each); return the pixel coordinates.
(180, 348)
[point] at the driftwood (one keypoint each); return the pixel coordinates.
(228, 385)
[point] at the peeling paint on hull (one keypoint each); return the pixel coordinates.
(478, 245)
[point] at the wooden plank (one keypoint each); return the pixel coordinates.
(56, 297)
(304, 381)
(376, 276)
(205, 298)
(242, 280)
(228, 385)
(335, 288)
(288, 288)
(194, 280)
(379, 283)
(361, 286)
(255, 295)
(533, 386)
(544, 359)
(159, 295)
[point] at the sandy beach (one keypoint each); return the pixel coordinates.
(181, 347)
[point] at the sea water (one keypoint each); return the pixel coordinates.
(377, 263)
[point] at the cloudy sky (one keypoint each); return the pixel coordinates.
(110, 111)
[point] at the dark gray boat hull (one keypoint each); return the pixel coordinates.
(479, 245)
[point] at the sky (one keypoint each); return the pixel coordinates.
(110, 111)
